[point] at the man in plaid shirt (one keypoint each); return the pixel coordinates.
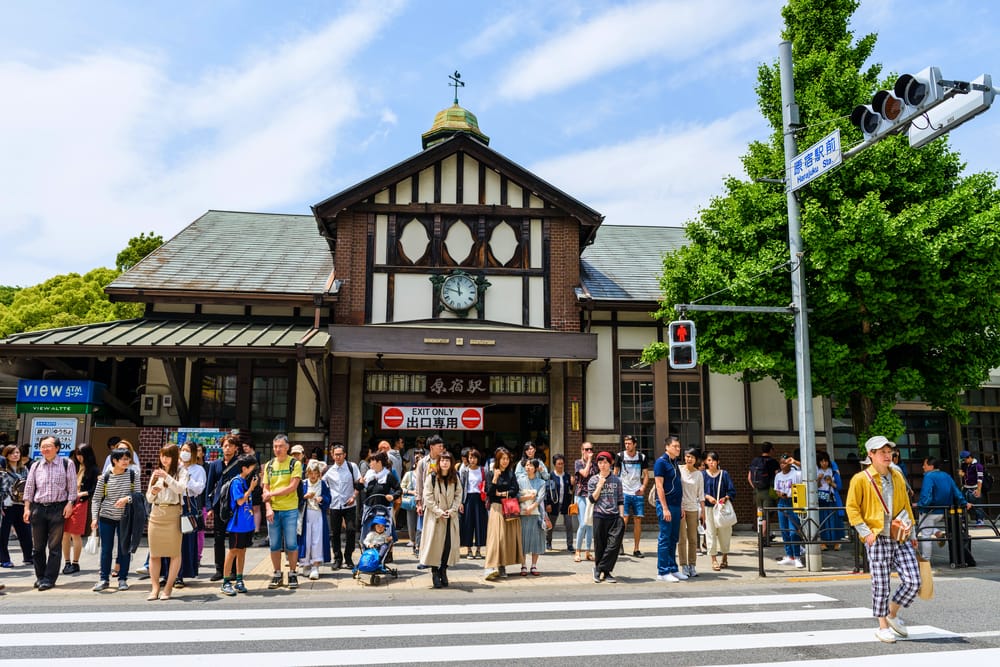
(49, 492)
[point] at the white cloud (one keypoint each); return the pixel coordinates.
(660, 179)
(132, 151)
(675, 30)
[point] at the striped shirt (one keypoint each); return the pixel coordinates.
(50, 482)
(106, 495)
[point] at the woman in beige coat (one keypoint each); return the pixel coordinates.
(440, 540)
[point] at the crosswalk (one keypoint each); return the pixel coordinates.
(812, 628)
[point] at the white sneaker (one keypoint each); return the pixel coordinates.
(491, 574)
(898, 626)
(680, 575)
(787, 560)
(142, 570)
(691, 571)
(886, 635)
(669, 578)
(314, 574)
(798, 563)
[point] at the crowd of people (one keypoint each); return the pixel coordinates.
(319, 510)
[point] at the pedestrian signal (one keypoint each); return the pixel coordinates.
(681, 337)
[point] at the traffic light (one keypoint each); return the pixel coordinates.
(891, 112)
(947, 116)
(681, 336)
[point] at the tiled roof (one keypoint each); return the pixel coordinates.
(225, 251)
(625, 262)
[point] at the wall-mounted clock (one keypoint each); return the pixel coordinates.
(459, 293)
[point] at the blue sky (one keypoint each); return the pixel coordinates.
(122, 117)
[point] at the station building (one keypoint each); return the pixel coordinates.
(454, 292)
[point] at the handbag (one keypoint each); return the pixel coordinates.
(409, 502)
(724, 514)
(511, 508)
(588, 515)
(926, 591)
(189, 522)
(574, 510)
(93, 545)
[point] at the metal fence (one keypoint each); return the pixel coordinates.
(945, 525)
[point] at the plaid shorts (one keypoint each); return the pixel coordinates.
(884, 555)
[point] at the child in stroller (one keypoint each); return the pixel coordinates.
(377, 545)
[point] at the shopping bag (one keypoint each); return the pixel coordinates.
(93, 545)
(926, 591)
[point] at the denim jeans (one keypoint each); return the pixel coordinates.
(789, 524)
(108, 529)
(284, 529)
(666, 542)
(584, 532)
(970, 497)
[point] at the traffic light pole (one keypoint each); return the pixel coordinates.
(803, 368)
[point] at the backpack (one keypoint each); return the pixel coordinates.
(760, 474)
(225, 506)
(131, 481)
(987, 482)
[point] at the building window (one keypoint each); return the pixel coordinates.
(684, 408)
(218, 399)
(269, 405)
(637, 402)
(982, 435)
(256, 396)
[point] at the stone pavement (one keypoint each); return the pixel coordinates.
(557, 569)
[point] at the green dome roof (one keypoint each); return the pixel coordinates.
(450, 121)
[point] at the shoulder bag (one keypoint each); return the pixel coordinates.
(723, 513)
(511, 508)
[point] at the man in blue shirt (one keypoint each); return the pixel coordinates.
(937, 492)
(666, 474)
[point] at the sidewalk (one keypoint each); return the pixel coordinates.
(557, 569)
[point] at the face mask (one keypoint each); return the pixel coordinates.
(185, 456)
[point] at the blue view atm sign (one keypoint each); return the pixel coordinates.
(818, 159)
(59, 391)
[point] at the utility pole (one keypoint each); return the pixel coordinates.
(803, 368)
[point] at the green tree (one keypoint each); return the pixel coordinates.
(900, 250)
(137, 248)
(7, 293)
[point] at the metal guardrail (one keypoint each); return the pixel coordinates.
(833, 531)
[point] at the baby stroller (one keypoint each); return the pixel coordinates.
(372, 562)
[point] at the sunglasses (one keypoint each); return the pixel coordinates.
(588, 449)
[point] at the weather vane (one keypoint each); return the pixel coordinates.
(456, 83)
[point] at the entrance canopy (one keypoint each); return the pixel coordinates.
(170, 338)
(421, 342)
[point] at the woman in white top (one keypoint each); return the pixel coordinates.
(167, 486)
(191, 504)
(692, 512)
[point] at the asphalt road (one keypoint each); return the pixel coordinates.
(560, 618)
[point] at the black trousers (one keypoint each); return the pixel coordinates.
(608, 531)
(219, 540)
(446, 550)
(47, 524)
(13, 517)
(347, 516)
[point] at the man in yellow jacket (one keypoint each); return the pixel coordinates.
(877, 495)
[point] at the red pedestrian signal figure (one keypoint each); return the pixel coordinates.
(681, 337)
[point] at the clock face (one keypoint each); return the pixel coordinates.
(459, 293)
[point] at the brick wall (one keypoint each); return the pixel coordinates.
(151, 439)
(350, 262)
(564, 272)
